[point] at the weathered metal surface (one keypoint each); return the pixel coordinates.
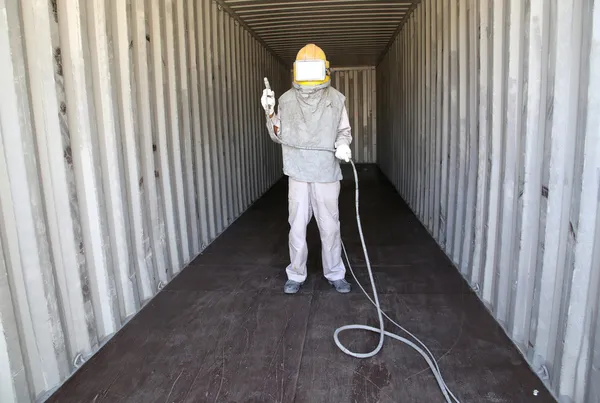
(488, 125)
(351, 32)
(131, 135)
(358, 85)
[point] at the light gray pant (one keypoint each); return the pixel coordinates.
(304, 199)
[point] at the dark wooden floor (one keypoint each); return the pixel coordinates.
(223, 331)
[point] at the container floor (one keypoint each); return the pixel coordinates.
(223, 331)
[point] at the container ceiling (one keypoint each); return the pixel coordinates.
(351, 32)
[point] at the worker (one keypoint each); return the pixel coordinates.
(312, 114)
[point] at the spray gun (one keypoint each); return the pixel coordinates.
(268, 87)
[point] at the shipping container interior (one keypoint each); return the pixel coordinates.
(144, 209)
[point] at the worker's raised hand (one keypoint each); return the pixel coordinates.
(268, 101)
(268, 98)
(343, 152)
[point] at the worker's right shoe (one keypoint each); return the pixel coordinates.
(291, 287)
(341, 286)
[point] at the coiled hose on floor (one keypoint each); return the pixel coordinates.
(424, 351)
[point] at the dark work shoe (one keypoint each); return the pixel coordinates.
(341, 286)
(291, 287)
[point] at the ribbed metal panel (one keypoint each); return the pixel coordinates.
(351, 32)
(131, 135)
(489, 126)
(358, 85)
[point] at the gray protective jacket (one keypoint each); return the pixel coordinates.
(313, 117)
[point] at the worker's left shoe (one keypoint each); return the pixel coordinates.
(341, 286)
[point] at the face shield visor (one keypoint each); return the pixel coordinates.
(310, 70)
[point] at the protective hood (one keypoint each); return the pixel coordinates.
(311, 98)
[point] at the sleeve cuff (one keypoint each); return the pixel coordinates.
(341, 142)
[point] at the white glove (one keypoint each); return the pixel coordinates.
(268, 101)
(343, 152)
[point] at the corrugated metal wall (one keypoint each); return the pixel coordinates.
(131, 135)
(489, 126)
(351, 32)
(359, 86)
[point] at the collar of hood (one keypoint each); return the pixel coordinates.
(309, 89)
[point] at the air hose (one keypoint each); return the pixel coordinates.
(417, 344)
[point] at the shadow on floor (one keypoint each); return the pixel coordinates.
(223, 331)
